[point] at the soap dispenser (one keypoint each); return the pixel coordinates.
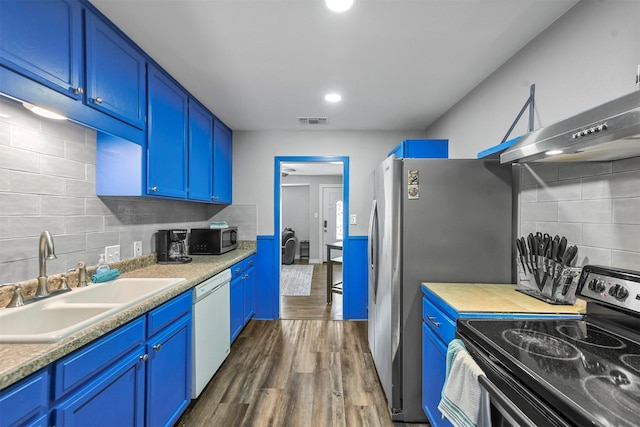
(102, 265)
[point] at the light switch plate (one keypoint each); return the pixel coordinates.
(137, 248)
(354, 219)
(112, 253)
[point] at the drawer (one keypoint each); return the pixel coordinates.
(442, 325)
(249, 262)
(164, 315)
(25, 400)
(237, 269)
(82, 365)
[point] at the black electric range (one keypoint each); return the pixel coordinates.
(568, 372)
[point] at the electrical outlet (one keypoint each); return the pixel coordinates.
(112, 253)
(137, 249)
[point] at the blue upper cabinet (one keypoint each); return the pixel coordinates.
(222, 163)
(200, 152)
(167, 137)
(42, 40)
(115, 73)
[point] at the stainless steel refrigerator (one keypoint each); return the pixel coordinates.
(432, 220)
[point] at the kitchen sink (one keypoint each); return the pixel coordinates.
(57, 317)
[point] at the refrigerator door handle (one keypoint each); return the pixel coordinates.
(373, 247)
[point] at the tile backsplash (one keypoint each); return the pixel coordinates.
(47, 182)
(596, 205)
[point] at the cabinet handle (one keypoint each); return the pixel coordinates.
(157, 347)
(97, 100)
(251, 262)
(432, 320)
(144, 357)
(78, 91)
(154, 188)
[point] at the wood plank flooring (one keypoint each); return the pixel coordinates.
(296, 372)
(314, 306)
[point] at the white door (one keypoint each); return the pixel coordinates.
(331, 195)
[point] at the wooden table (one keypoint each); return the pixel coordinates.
(330, 262)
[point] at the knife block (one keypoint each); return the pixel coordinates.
(552, 283)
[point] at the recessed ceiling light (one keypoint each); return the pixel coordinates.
(553, 152)
(333, 97)
(339, 5)
(43, 112)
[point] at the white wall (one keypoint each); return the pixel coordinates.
(290, 205)
(588, 56)
(253, 165)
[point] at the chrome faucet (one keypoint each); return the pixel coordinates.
(45, 252)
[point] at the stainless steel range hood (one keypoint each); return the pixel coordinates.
(610, 131)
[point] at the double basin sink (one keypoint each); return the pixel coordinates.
(52, 319)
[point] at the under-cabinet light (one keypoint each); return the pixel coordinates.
(43, 112)
(553, 152)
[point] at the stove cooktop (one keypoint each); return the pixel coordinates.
(588, 369)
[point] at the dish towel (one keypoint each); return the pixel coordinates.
(105, 276)
(463, 401)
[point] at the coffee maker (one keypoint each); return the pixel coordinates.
(171, 247)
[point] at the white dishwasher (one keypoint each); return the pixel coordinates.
(211, 329)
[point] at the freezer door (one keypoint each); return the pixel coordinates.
(384, 280)
(372, 256)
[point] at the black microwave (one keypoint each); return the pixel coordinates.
(212, 241)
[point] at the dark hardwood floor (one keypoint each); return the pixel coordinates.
(305, 369)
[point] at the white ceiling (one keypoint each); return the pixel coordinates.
(399, 64)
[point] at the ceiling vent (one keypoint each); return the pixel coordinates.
(312, 120)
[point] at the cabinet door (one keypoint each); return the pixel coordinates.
(222, 163)
(115, 398)
(25, 400)
(237, 307)
(167, 137)
(434, 356)
(115, 73)
(169, 374)
(200, 152)
(249, 284)
(42, 40)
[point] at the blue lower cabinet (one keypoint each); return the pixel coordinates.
(237, 305)
(26, 402)
(137, 375)
(114, 398)
(434, 354)
(169, 374)
(243, 294)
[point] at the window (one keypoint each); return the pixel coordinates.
(339, 231)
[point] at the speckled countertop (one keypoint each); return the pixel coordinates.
(496, 298)
(20, 360)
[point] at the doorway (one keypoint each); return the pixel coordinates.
(322, 179)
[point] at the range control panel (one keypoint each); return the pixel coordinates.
(617, 287)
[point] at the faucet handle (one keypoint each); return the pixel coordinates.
(16, 300)
(65, 285)
(82, 274)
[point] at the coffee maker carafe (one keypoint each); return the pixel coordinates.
(171, 247)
